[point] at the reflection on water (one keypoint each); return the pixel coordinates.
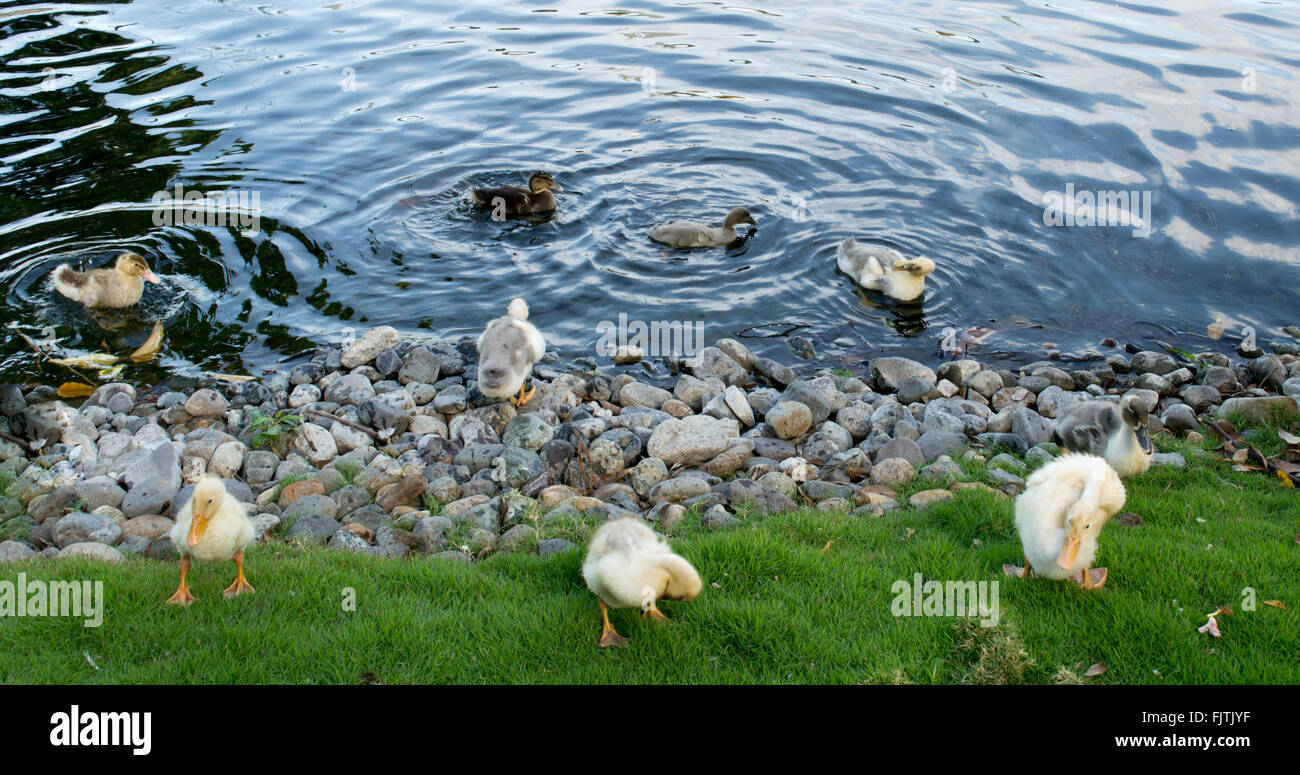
(936, 128)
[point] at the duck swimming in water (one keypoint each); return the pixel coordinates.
(120, 286)
(507, 350)
(883, 269)
(1116, 432)
(516, 202)
(693, 234)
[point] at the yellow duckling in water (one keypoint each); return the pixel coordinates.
(212, 527)
(120, 286)
(1060, 515)
(629, 566)
(883, 269)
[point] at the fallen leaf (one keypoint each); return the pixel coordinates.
(111, 372)
(75, 390)
(827, 546)
(228, 377)
(149, 350)
(1014, 571)
(1095, 670)
(89, 360)
(1276, 604)
(1211, 626)
(1241, 456)
(1129, 519)
(1215, 330)
(1289, 438)
(1286, 480)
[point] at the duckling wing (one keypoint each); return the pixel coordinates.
(78, 286)
(683, 234)
(513, 198)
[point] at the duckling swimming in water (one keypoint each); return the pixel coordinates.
(508, 348)
(211, 527)
(629, 566)
(120, 286)
(693, 234)
(1116, 432)
(1060, 515)
(865, 264)
(515, 202)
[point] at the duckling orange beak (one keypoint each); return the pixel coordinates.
(151, 277)
(1065, 560)
(197, 525)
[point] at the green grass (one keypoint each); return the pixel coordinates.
(794, 598)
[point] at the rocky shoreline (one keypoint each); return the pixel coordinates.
(386, 447)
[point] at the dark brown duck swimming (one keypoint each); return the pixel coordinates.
(514, 202)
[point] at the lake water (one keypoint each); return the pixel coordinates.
(938, 128)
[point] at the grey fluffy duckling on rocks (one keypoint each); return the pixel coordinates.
(508, 348)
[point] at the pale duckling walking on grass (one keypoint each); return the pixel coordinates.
(1117, 432)
(883, 269)
(120, 286)
(1060, 515)
(693, 234)
(629, 566)
(514, 202)
(212, 527)
(507, 350)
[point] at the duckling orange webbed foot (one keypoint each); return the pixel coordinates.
(182, 596)
(653, 613)
(608, 635)
(1094, 578)
(523, 398)
(241, 585)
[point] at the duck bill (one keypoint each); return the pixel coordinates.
(151, 277)
(197, 527)
(1144, 441)
(1069, 552)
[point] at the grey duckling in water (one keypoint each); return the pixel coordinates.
(1116, 432)
(507, 349)
(120, 286)
(513, 201)
(693, 234)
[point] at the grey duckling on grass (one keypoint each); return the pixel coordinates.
(513, 201)
(119, 286)
(1116, 432)
(693, 234)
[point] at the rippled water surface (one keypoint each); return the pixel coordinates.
(934, 127)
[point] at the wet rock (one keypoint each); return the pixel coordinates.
(1153, 362)
(714, 363)
(368, 346)
(888, 373)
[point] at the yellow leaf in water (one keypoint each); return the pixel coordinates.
(228, 377)
(75, 390)
(1215, 330)
(111, 372)
(89, 360)
(148, 350)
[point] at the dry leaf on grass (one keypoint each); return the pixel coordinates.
(1129, 519)
(1288, 437)
(1276, 604)
(1095, 670)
